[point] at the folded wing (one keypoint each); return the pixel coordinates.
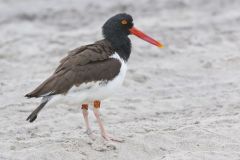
(84, 64)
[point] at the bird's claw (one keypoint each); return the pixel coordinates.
(88, 132)
(108, 137)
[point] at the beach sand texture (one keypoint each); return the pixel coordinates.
(181, 102)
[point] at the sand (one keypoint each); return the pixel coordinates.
(181, 102)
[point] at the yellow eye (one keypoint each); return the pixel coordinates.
(124, 21)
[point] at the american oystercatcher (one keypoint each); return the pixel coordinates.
(97, 69)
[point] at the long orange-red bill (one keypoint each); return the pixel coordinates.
(145, 37)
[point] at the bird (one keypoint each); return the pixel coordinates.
(97, 70)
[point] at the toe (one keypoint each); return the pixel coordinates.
(110, 137)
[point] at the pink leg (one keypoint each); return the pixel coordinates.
(85, 116)
(99, 121)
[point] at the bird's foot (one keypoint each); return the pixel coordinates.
(90, 134)
(108, 137)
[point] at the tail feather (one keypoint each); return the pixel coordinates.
(33, 116)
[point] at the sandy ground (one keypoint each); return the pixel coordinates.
(181, 102)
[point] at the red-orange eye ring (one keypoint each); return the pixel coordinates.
(124, 21)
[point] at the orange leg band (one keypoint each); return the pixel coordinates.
(97, 104)
(85, 106)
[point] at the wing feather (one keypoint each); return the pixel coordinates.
(84, 64)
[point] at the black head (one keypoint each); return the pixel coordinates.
(118, 24)
(116, 31)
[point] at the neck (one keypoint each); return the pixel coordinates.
(121, 45)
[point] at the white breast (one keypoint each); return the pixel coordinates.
(99, 90)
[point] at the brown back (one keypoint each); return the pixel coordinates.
(84, 64)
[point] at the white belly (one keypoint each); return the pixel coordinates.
(100, 90)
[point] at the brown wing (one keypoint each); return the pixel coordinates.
(98, 51)
(85, 64)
